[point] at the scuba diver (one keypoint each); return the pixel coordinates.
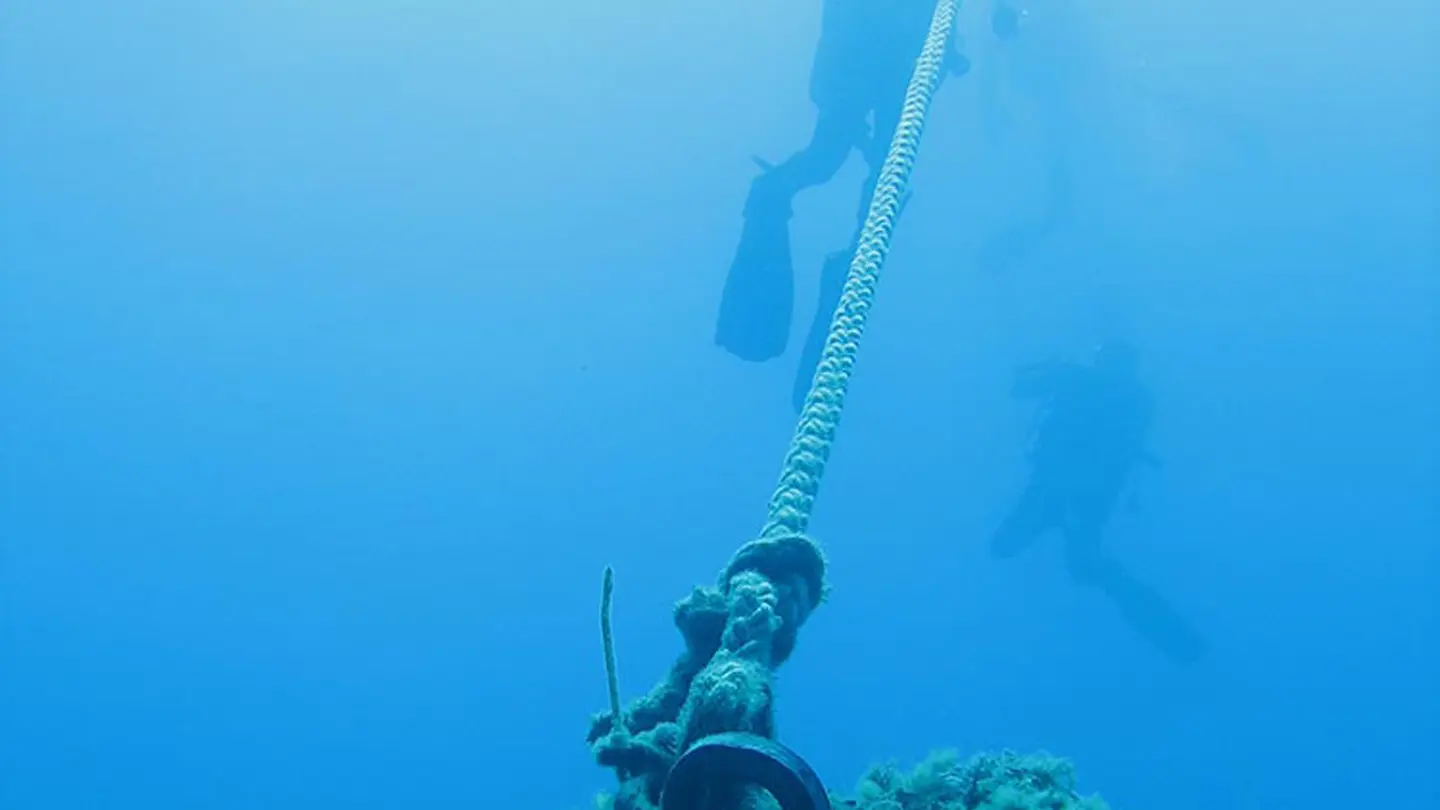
(862, 67)
(1040, 56)
(1093, 422)
(1045, 51)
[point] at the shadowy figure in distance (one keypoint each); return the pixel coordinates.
(1044, 53)
(1092, 428)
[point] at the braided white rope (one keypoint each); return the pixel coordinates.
(794, 497)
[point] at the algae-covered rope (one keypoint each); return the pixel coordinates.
(794, 497)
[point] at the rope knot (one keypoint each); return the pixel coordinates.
(795, 569)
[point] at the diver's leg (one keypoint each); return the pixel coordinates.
(889, 103)
(1033, 515)
(1145, 609)
(1088, 502)
(1015, 243)
(757, 303)
(836, 132)
(1084, 559)
(832, 287)
(837, 264)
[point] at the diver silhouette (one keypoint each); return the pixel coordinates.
(862, 67)
(1049, 57)
(1049, 65)
(1093, 422)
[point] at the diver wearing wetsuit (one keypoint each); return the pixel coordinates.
(1093, 424)
(1092, 430)
(862, 67)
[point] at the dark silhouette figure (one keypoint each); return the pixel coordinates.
(1091, 433)
(1014, 243)
(862, 66)
(1049, 59)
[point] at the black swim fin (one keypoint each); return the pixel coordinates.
(1153, 617)
(755, 308)
(832, 286)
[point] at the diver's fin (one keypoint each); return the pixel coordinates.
(1152, 616)
(832, 285)
(755, 308)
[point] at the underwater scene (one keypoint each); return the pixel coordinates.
(760, 405)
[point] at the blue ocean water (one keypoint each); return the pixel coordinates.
(344, 344)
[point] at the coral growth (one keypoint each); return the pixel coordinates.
(1005, 781)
